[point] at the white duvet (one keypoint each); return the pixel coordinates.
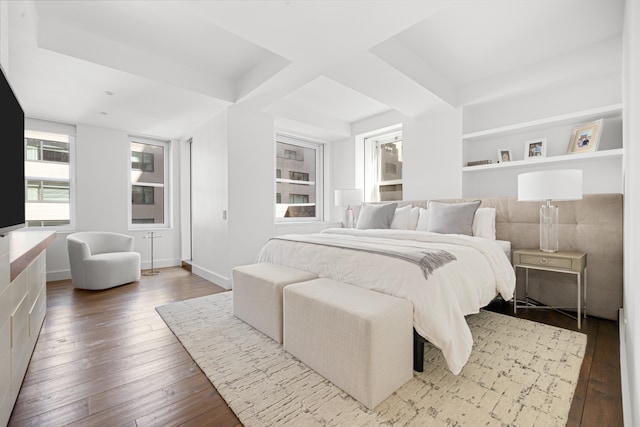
(440, 303)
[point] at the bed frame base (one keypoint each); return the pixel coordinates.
(418, 351)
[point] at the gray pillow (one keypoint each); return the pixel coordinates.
(451, 218)
(376, 216)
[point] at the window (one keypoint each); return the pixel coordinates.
(149, 178)
(293, 155)
(300, 162)
(142, 161)
(141, 195)
(298, 198)
(298, 176)
(48, 179)
(384, 170)
(47, 191)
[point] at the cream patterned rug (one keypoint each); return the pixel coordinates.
(520, 373)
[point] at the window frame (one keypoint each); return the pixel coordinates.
(54, 136)
(319, 148)
(166, 145)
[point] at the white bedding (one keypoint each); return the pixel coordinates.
(461, 287)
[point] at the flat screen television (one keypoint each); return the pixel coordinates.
(12, 214)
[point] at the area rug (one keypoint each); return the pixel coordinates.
(520, 373)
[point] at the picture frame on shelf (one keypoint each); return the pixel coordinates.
(504, 155)
(585, 137)
(535, 148)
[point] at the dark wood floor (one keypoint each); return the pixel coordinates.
(105, 358)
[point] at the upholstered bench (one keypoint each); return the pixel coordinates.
(360, 340)
(257, 294)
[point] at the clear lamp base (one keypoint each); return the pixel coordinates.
(348, 218)
(548, 228)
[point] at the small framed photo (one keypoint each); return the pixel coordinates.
(504, 156)
(585, 137)
(535, 149)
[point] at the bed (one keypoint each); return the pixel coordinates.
(446, 276)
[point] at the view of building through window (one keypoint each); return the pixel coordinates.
(298, 167)
(47, 179)
(383, 166)
(148, 182)
(390, 171)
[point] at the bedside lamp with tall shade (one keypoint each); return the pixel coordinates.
(348, 197)
(550, 186)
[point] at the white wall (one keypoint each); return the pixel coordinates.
(210, 258)
(251, 183)
(432, 156)
(343, 172)
(102, 161)
(630, 330)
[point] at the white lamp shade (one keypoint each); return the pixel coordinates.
(348, 197)
(564, 184)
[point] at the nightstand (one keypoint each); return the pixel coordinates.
(560, 262)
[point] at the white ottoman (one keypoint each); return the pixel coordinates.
(360, 340)
(257, 294)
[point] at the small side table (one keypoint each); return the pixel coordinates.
(560, 262)
(151, 235)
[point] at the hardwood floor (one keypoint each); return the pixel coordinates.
(105, 358)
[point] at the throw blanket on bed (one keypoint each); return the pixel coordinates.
(478, 271)
(427, 259)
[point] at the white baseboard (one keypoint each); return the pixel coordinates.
(53, 276)
(225, 282)
(624, 371)
(160, 263)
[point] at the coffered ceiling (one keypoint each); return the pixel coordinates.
(162, 68)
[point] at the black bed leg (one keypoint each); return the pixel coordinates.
(418, 352)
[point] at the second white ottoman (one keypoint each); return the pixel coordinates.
(257, 294)
(360, 340)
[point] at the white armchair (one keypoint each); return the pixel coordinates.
(102, 259)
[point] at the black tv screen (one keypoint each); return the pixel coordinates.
(12, 215)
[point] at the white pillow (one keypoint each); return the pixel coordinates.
(401, 218)
(423, 220)
(414, 215)
(484, 223)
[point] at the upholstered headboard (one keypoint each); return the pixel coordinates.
(592, 225)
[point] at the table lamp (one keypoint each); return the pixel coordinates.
(348, 197)
(553, 185)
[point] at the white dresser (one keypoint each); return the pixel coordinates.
(23, 306)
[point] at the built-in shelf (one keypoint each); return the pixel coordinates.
(558, 120)
(567, 158)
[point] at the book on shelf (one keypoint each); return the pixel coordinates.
(479, 162)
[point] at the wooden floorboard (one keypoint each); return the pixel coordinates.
(105, 358)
